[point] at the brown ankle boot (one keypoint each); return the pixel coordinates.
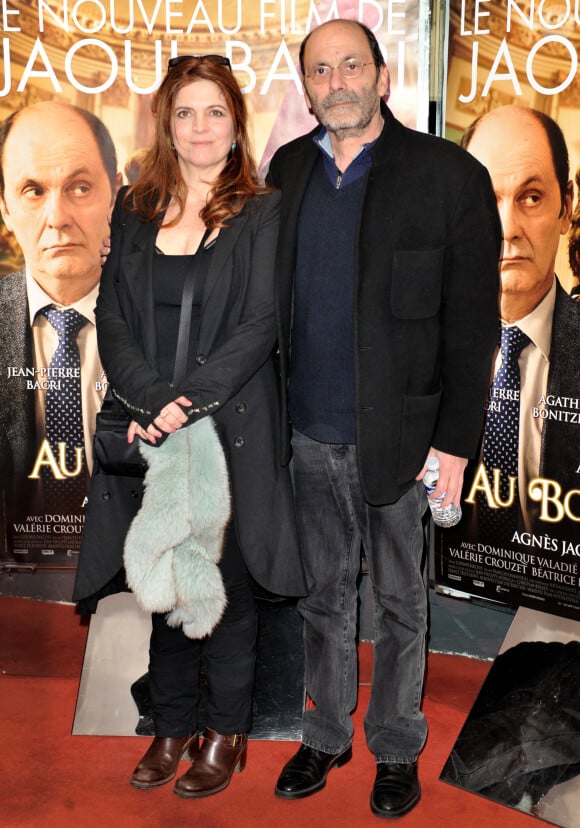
(218, 758)
(159, 764)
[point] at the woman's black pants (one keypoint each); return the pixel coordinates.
(228, 656)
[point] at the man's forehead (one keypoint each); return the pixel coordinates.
(44, 153)
(62, 127)
(517, 154)
(339, 37)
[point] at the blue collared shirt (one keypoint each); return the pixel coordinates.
(355, 170)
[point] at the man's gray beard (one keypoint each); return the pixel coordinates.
(344, 127)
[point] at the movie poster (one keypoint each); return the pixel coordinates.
(519, 538)
(108, 58)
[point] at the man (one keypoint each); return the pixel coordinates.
(387, 304)
(58, 181)
(574, 243)
(526, 155)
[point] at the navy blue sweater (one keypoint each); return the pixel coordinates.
(321, 384)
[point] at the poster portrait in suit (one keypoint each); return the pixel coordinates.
(58, 180)
(518, 537)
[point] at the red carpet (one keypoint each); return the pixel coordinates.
(55, 780)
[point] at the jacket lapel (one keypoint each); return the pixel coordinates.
(298, 167)
(137, 267)
(215, 292)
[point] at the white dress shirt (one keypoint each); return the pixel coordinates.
(45, 342)
(534, 364)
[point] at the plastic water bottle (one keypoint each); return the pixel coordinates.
(450, 515)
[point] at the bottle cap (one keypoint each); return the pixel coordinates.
(432, 463)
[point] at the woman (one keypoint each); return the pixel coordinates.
(196, 208)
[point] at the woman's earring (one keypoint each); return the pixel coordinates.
(234, 145)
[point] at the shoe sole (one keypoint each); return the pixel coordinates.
(144, 786)
(399, 812)
(210, 792)
(200, 794)
(340, 760)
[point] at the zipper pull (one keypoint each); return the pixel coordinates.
(338, 181)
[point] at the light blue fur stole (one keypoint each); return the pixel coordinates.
(175, 541)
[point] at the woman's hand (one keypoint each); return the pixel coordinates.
(105, 250)
(135, 430)
(169, 420)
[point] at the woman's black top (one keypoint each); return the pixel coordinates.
(168, 278)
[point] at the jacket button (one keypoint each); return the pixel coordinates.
(106, 495)
(241, 407)
(239, 442)
(201, 359)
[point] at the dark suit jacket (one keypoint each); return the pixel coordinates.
(17, 416)
(426, 299)
(17, 425)
(560, 454)
(234, 380)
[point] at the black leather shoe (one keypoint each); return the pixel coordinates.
(306, 772)
(396, 789)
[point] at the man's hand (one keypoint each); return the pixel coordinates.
(450, 482)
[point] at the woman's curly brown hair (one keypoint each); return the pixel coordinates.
(574, 235)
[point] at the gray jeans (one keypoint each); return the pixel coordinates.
(334, 520)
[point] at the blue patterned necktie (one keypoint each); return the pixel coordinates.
(63, 408)
(502, 427)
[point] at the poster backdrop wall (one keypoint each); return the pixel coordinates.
(525, 53)
(108, 57)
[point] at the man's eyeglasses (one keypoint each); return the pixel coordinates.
(350, 68)
(220, 59)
